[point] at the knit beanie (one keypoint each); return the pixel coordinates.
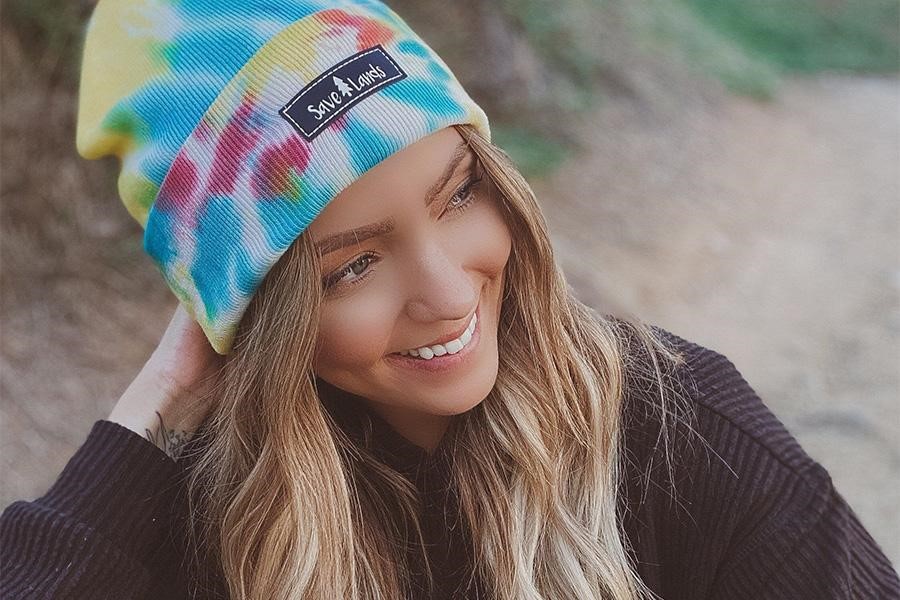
(236, 121)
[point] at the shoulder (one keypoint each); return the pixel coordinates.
(711, 413)
(739, 429)
(735, 488)
(709, 457)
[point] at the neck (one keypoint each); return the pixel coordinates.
(422, 429)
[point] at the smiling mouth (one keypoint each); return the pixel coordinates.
(449, 347)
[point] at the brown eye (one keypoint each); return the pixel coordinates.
(358, 269)
(463, 197)
(361, 263)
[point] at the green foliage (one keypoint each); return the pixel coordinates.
(559, 33)
(811, 35)
(744, 44)
(534, 154)
(672, 29)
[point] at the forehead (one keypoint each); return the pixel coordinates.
(409, 173)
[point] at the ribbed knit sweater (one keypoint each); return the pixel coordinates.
(746, 513)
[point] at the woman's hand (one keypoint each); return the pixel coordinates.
(164, 403)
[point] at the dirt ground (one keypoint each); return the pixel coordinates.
(768, 232)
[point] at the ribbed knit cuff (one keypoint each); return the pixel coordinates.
(122, 485)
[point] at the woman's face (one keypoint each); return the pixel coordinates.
(420, 249)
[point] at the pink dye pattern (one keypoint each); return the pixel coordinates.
(204, 131)
(180, 186)
(232, 147)
(272, 177)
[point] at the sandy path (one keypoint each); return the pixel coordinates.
(771, 233)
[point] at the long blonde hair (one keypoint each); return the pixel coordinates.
(288, 505)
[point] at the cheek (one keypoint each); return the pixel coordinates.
(352, 335)
(487, 238)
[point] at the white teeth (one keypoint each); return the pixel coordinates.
(454, 346)
(451, 347)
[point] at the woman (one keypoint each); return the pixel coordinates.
(378, 384)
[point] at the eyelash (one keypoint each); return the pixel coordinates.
(334, 278)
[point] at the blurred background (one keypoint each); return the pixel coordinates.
(727, 170)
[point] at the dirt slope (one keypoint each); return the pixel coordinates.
(771, 233)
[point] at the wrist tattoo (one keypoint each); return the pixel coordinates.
(170, 441)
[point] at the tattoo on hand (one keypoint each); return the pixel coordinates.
(170, 441)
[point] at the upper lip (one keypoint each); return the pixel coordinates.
(449, 336)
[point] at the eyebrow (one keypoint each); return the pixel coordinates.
(336, 241)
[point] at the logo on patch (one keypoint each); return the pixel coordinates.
(332, 93)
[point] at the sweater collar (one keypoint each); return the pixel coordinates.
(353, 414)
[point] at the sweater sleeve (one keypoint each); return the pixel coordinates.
(765, 521)
(817, 549)
(97, 531)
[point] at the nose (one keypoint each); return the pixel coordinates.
(441, 290)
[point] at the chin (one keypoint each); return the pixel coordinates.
(458, 407)
(462, 398)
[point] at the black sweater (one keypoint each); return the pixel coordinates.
(751, 514)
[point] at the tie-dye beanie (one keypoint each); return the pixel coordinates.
(237, 121)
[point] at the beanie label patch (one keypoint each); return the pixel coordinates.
(333, 92)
